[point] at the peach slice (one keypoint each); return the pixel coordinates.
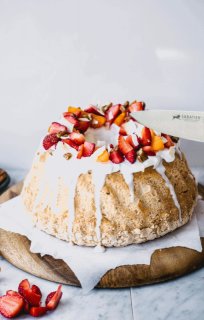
(119, 120)
(157, 143)
(103, 157)
(97, 121)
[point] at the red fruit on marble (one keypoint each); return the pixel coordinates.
(134, 144)
(136, 106)
(50, 140)
(149, 151)
(26, 291)
(131, 156)
(26, 306)
(57, 127)
(11, 305)
(53, 299)
(169, 142)
(146, 137)
(123, 145)
(71, 143)
(94, 110)
(77, 138)
(80, 151)
(71, 117)
(37, 311)
(88, 149)
(116, 156)
(112, 112)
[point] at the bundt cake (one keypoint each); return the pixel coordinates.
(100, 178)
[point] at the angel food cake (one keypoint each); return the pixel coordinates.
(100, 178)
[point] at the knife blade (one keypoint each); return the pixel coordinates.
(183, 124)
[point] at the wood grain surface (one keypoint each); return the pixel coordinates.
(165, 264)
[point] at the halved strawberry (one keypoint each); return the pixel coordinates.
(122, 131)
(25, 290)
(97, 121)
(57, 127)
(71, 117)
(37, 311)
(77, 138)
(149, 151)
(11, 305)
(50, 140)
(116, 156)
(94, 110)
(112, 112)
(146, 137)
(88, 149)
(71, 143)
(136, 106)
(53, 298)
(133, 141)
(12, 293)
(36, 290)
(26, 306)
(131, 156)
(83, 125)
(169, 142)
(80, 151)
(123, 145)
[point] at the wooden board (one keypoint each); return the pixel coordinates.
(165, 264)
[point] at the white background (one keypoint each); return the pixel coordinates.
(54, 53)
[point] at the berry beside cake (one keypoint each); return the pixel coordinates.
(100, 178)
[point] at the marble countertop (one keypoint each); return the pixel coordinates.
(179, 299)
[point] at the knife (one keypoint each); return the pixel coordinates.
(183, 124)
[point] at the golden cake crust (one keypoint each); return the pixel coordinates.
(151, 215)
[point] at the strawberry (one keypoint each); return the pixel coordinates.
(12, 293)
(53, 298)
(136, 106)
(112, 112)
(149, 151)
(80, 151)
(11, 305)
(57, 127)
(37, 311)
(26, 291)
(71, 143)
(94, 110)
(50, 140)
(36, 290)
(169, 142)
(83, 125)
(122, 131)
(71, 117)
(116, 156)
(124, 146)
(77, 138)
(134, 142)
(26, 306)
(146, 137)
(88, 149)
(131, 156)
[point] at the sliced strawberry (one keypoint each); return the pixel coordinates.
(122, 131)
(26, 306)
(123, 145)
(71, 143)
(77, 138)
(149, 151)
(36, 290)
(88, 149)
(136, 106)
(11, 305)
(37, 311)
(50, 140)
(83, 125)
(94, 110)
(25, 290)
(169, 142)
(57, 127)
(131, 156)
(12, 293)
(116, 156)
(80, 151)
(53, 299)
(71, 117)
(146, 137)
(112, 112)
(134, 142)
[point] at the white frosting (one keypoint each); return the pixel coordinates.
(57, 166)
